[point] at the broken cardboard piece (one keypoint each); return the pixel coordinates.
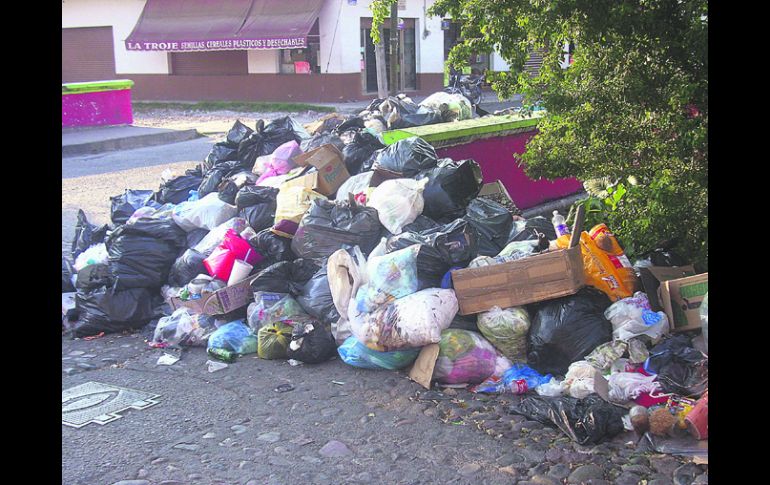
(219, 302)
(653, 276)
(328, 160)
(422, 369)
(681, 300)
(495, 188)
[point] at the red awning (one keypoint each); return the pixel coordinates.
(204, 25)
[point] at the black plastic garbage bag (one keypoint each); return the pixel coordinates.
(527, 230)
(408, 157)
(316, 298)
(451, 187)
(566, 329)
(359, 154)
(257, 205)
(186, 268)
(141, 254)
(67, 271)
(280, 131)
(585, 421)
(178, 189)
(250, 195)
(352, 123)
(124, 205)
(465, 322)
(321, 139)
(93, 276)
(421, 224)
(86, 234)
(492, 222)
(214, 177)
(455, 242)
(328, 226)
(110, 310)
(238, 133)
(219, 153)
(401, 113)
(195, 236)
(681, 369)
(666, 257)
(311, 342)
(285, 277)
(273, 247)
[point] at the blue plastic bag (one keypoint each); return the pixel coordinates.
(235, 336)
(518, 379)
(354, 353)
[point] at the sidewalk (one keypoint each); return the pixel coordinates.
(92, 140)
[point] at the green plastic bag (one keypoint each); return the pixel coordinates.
(507, 330)
(273, 340)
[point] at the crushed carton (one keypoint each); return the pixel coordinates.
(220, 302)
(653, 276)
(330, 174)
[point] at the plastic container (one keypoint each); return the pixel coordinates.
(559, 224)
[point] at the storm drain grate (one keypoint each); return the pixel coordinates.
(94, 402)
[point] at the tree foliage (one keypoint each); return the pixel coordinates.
(634, 103)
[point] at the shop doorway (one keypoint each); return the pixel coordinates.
(406, 56)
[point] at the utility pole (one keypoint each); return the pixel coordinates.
(382, 71)
(394, 48)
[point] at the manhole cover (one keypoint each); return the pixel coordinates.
(94, 402)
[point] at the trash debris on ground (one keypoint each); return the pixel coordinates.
(306, 244)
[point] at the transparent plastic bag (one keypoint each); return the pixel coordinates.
(356, 354)
(215, 237)
(633, 317)
(96, 254)
(507, 330)
(625, 386)
(398, 202)
(579, 380)
(464, 357)
(389, 277)
(604, 355)
(269, 307)
(206, 213)
(415, 320)
(235, 336)
(183, 328)
(273, 340)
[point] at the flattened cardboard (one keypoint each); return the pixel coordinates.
(681, 301)
(221, 301)
(653, 276)
(529, 280)
(422, 369)
(331, 170)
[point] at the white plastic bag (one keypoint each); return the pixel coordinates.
(579, 381)
(551, 388)
(389, 277)
(346, 272)
(96, 254)
(625, 386)
(380, 249)
(453, 107)
(632, 317)
(183, 328)
(206, 213)
(354, 185)
(215, 236)
(398, 202)
(413, 321)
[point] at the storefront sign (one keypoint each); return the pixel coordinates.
(445, 24)
(224, 44)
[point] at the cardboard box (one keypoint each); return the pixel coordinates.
(221, 301)
(529, 280)
(653, 276)
(681, 301)
(327, 159)
(542, 277)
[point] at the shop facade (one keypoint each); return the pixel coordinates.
(251, 50)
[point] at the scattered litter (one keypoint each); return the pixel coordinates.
(213, 366)
(339, 383)
(167, 359)
(284, 388)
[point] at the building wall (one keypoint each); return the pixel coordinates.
(122, 15)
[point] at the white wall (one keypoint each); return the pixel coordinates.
(498, 64)
(122, 15)
(343, 55)
(263, 61)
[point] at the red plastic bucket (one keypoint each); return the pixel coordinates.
(698, 419)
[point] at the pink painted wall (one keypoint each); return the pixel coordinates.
(495, 156)
(97, 109)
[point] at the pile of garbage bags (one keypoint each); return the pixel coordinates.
(363, 273)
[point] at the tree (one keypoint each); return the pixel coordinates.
(632, 108)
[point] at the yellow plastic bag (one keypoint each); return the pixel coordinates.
(605, 264)
(291, 205)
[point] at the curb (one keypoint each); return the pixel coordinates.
(128, 143)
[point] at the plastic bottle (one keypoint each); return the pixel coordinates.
(559, 224)
(222, 354)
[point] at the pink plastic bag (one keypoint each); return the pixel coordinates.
(280, 161)
(220, 263)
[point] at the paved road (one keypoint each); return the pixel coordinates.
(231, 427)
